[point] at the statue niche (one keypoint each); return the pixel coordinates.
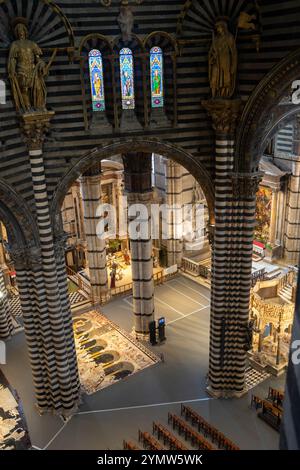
(27, 71)
(222, 62)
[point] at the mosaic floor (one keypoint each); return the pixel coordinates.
(106, 353)
(13, 428)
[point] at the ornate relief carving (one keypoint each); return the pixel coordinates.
(245, 186)
(224, 114)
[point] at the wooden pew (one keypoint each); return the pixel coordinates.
(189, 433)
(127, 445)
(271, 415)
(207, 429)
(167, 437)
(149, 442)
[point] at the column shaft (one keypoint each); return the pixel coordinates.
(175, 219)
(96, 247)
(142, 272)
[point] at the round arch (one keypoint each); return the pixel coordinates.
(167, 150)
(17, 218)
(261, 115)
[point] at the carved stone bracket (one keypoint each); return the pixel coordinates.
(224, 114)
(34, 127)
(245, 185)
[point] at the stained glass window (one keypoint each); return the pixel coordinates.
(127, 78)
(96, 78)
(156, 70)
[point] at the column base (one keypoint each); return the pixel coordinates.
(225, 393)
(141, 336)
(65, 415)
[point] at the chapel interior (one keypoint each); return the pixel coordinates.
(149, 225)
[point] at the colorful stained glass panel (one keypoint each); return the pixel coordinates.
(127, 78)
(96, 78)
(156, 70)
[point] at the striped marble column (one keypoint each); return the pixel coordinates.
(42, 283)
(175, 219)
(231, 259)
(96, 247)
(137, 168)
(142, 270)
(6, 326)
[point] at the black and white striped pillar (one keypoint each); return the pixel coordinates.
(137, 167)
(42, 282)
(174, 221)
(96, 247)
(231, 258)
(6, 326)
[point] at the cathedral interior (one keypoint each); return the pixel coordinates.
(149, 224)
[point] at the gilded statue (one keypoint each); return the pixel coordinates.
(222, 62)
(27, 71)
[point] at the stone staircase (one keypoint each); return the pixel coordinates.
(286, 294)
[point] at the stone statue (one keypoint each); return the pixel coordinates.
(126, 20)
(27, 71)
(222, 62)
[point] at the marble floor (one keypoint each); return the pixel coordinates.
(116, 413)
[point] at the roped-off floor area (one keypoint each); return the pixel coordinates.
(119, 411)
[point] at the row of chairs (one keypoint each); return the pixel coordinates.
(149, 442)
(189, 433)
(207, 429)
(127, 445)
(167, 437)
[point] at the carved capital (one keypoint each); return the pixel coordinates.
(60, 244)
(245, 185)
(25, 257)
(224, 114)
(34, 127)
